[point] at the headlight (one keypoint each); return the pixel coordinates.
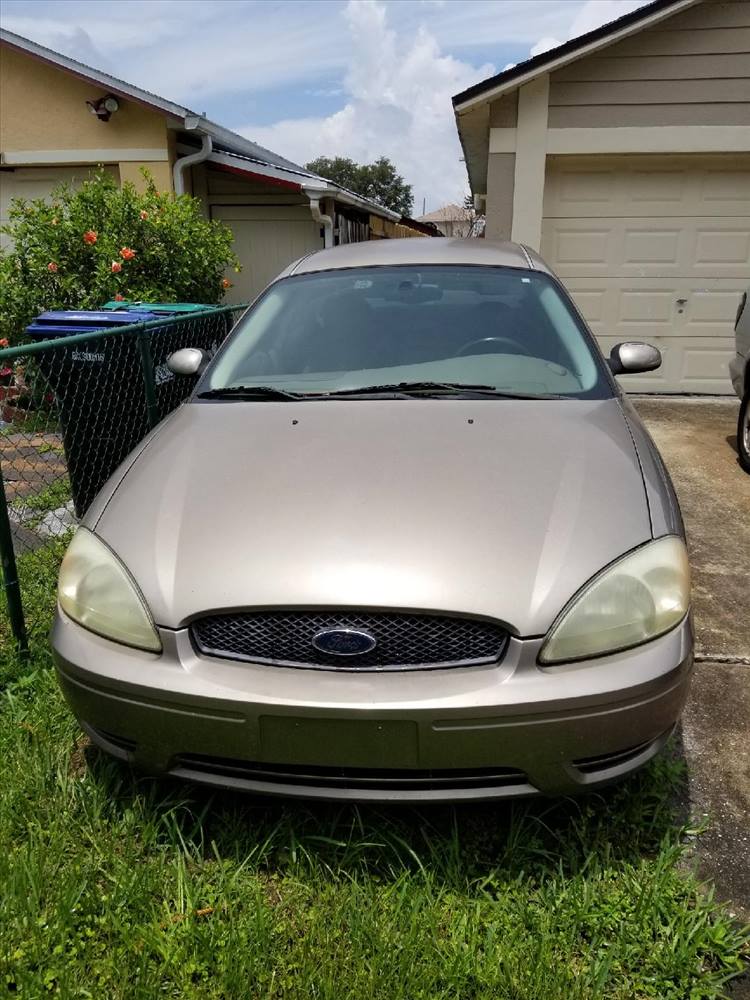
(96, 590)
(641, 596)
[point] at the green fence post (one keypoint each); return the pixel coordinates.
(10, 574)
(149, 380)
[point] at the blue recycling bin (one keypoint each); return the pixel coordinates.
(99, 389)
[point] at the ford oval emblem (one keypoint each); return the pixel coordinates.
(344, 642)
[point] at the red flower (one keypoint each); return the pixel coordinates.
(52, 267)
(226, 283)
(90, 237)
(4, 341)
(118, 297)
(116, 266)
(127, 254)
(144, 215)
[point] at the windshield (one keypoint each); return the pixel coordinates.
(495, 328)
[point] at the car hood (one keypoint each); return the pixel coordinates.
(498, 508)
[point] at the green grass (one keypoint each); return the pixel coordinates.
(55, 495)
(119, 887)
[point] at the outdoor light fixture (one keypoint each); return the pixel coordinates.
(104, 108)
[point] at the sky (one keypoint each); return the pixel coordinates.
(307, 78)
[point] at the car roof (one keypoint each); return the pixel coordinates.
(418, 250)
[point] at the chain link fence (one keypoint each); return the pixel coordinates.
(71, 409)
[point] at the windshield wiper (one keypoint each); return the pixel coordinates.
(248, 392)
(426, 389)
(438, 388)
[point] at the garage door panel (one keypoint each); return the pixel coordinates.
(40, 182)
(579, 249)
(641, 308)
(717, 246)
(704, 364)
(583, 187)
(690, 247)
(708, 307)
(266, 240)
(618, 305)
(696, 339)
(656, 251)
(726, 191)
(643, 247)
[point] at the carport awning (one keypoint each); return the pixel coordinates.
(293, 180)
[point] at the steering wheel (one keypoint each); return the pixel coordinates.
(520, 349)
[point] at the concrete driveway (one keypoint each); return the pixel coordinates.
(697, 440)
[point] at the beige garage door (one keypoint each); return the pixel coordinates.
(655, 248)
(266, 239)
(38, 182)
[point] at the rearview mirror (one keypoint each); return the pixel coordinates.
(187, 361)
(633, 357)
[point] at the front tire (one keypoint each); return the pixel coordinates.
(743, 432)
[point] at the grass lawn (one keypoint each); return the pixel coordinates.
(116, 887)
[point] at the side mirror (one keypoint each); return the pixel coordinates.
(187, 361)
(632, 357)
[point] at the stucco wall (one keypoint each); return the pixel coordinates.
(43, 111)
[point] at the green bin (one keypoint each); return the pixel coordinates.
(171, 308)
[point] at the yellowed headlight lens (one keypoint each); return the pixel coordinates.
(96, 590)
(638, 598)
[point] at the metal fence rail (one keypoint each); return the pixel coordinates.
(71, 409)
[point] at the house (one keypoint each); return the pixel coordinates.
(59, 119)
(451, 220)
(624, 156)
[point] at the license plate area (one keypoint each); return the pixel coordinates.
(374, 743)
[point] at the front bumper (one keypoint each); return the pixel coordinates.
(503, 730)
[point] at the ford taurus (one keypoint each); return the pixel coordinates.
(405, 540)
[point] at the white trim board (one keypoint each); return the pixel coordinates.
(528, 183)
(32, 157)
(650, 139)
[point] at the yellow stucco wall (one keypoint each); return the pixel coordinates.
(161, 172)
(43, 108)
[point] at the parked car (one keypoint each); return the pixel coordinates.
(739, 369)
(407, 540)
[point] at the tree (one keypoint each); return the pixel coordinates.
(377, 181)
(102, 242)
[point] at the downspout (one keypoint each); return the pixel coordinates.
(180, 166)
(325, 220)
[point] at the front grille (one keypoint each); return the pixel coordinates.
(403, 641)
(349, 777)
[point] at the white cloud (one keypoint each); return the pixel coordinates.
(590, 15)
(543, 45)
(594, 13)
(186, 50)
(398, 105)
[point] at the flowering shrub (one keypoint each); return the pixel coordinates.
(105, 242)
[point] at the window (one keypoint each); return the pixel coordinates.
(508, 328)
